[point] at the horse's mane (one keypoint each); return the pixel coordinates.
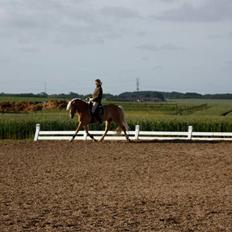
(70, 102)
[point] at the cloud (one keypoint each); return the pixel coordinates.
(228, 62)
(73, 22)
(145, 58)
(119, 12)
(227, 66)
(4, 60)
(31, 20)
(29, 49)
(210, 11)
(158, 67)
(44, 14)
(221, 36)
(142, 33)
(164, 47)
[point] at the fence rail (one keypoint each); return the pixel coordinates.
(189, 135)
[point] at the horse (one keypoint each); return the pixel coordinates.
(112, 113)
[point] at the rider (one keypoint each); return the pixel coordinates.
(97, 97)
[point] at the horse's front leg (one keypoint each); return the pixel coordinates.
(76, 132)
(87, 131)
(107, 126)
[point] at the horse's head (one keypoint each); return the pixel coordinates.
(72, 107)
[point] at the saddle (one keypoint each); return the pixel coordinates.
(98, 114)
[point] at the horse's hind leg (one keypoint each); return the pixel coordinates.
(127, 137)
(87, 131)
(124, 130)
(107, 126)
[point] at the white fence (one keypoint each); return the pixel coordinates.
(189, 135)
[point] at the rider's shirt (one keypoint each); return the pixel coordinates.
(97, 95)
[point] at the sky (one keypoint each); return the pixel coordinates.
(64, 45)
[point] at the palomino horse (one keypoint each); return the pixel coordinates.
(112, 113)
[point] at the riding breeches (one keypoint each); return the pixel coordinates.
(95, 105)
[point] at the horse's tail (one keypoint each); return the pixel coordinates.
(122, 121)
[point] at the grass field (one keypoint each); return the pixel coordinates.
(173, 115)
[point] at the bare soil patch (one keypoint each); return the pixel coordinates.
(112, 186)
(29, 106)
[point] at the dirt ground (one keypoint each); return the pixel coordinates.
(115, 186)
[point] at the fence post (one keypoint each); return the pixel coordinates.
(137, 132)
(37, 130)
(190, 131)
(85, 135)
